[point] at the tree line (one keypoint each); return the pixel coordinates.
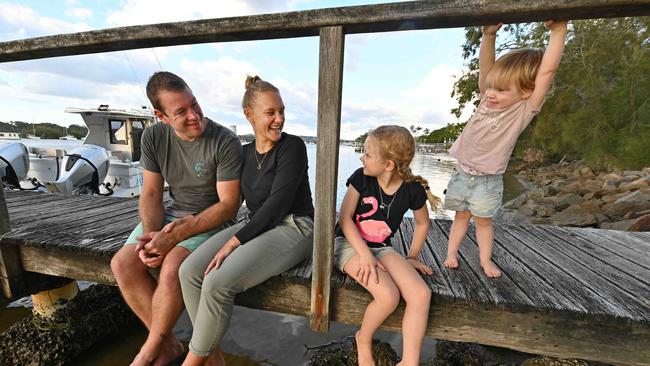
(43, 130)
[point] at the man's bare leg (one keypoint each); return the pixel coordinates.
(135, 283)
(161, 346)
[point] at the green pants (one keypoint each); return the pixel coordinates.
(209, 300)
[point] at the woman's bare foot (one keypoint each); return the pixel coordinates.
(451, 261)
(490, 269)
(215, 359)
(364, 351)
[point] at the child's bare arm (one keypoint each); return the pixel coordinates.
(550, 61)
(422, 223)
(486, 53)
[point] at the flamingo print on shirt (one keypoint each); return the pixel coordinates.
(375, 231)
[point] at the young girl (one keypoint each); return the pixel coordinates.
(512, 92)
(378, 195)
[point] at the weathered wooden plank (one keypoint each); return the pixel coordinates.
(634, 242)
(594, 247)
(463, 281)
(534, 274)
(503, 288)
(71, 211)
(330, 86)
(557, 274)
(620, 302)
(355, 19)
(11, 273)
(554, 333)
(521, 271)
(609, 267)
(436, 282)
(624, 246)
(63, 263)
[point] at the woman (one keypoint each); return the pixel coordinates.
(275, 236)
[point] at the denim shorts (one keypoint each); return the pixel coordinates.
(479, 194)
(190, 243)
(343, 251)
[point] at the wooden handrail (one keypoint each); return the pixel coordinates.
(354, 19)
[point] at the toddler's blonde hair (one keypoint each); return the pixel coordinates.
(518, 67)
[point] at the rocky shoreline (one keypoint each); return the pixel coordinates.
(575, 194)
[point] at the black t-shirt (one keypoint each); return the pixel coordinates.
(378, 215)
(278, 188)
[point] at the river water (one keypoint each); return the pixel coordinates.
(258, 337)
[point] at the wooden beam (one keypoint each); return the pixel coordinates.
(355, 19)
(66, 263)
(330, 86)
(555, 334)
(11, 273)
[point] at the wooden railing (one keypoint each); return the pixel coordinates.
(331, 25)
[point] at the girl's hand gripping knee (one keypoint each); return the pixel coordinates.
(368, 269)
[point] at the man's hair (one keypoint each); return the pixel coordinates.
(163, 80)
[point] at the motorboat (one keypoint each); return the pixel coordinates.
(106, 163)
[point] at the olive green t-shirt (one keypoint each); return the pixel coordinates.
(192, 168)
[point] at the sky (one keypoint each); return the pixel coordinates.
(400, 78)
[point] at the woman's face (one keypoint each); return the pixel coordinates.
(266, 115)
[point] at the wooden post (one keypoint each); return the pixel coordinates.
(11, 272)
(330, 85)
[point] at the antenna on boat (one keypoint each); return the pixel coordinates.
(157, 60)
(135, 74)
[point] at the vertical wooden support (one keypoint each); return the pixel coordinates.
(11, 271)
(330, 87)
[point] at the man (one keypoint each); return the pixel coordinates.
(201, 162)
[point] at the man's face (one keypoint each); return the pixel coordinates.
(182, 112)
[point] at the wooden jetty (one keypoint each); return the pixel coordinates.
(564, 292)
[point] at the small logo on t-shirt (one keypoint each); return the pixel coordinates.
(201, 169)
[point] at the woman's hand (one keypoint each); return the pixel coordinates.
(222, 254)
(368, 268)
(419, 266)
(491, 30)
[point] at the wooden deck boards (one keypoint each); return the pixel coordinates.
(579, 285)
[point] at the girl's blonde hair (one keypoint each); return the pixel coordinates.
(397, 144)
(254, 85)
(518, 67)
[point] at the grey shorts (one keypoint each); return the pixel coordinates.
(479, 194)
(343, 251)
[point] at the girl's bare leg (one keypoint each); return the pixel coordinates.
(385, 300)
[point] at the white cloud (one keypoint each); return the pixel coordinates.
(173, 11)
(79, 12)
(19, 21)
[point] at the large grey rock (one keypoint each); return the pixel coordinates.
(634, 185)
(635, 201)
(516, 202)
(641, 223)
(564, 200)
(574, 215)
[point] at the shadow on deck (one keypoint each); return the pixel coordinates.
(564, 292)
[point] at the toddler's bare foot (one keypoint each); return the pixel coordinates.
(364, 352)
(490, 269)
(451, 261)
